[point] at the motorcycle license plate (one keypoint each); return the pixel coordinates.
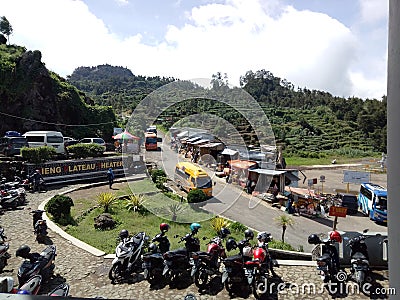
(146, 265)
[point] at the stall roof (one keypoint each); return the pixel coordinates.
(242, 164)
(193, 139)
(267, 172)
(291, 176)
(229, 152)
(210, 145)
(201, 141)
(183, 133)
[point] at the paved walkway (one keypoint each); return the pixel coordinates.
(87, 274)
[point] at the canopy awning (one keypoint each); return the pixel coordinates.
(291, 176)
(125, 136)
(229, 152)
(267, 172)
(242, 164)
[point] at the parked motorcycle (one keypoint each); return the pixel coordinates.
(235, 272)
(177, 262)
(153, 261)
(36, 263)
(32, 286)
(359, 259)
(128, 256)
(8, 201)
(328, 263)
(61, 290)
(39, 225)
(4, 255)
(262, 266)
(207, 264)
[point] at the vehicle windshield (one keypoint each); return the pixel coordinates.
(203, 182)
(151, 140)
(381, 203)
(18, 141)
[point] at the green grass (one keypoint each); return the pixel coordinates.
(306, 161)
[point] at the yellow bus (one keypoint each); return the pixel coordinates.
(189, 177)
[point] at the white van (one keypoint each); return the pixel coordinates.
(46, 138)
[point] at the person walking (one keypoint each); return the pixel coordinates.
(110, 177)
(36, 177)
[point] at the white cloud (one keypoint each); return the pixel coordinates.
(309, 49)
(373, 10)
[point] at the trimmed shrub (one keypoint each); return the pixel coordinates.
(238, 227)
(60, 208)
(38, 154)
(196, 196)
(85, 150)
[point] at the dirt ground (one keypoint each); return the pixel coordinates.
(334, 179)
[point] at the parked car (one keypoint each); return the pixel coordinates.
(11, 145)
(98, 141)
(348, 200)
(53, 139)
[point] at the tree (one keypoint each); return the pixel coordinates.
(284, 221)
(196, 196)
(6, 28)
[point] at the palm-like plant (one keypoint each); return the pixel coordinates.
(106, 200)
(175, 209)
(284, 221)
(217, 223)
(135, 202)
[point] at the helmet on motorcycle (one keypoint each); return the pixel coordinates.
(164, 227)
(123, 234)
(195, 227)
(24, 292)
(262, 236)
(335, 236)
(314, 239)
(231, 244)
(23, 251)
(249, 234)
(224, 232)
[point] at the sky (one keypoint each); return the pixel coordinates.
(337, 46)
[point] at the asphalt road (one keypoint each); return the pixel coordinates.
(231, 202)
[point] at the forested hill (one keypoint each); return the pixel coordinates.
(305, 122)
(34, 98)
(116, 86)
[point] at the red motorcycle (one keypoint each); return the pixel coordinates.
(260, 268)
(207, 264)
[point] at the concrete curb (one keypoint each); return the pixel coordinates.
(54, 227)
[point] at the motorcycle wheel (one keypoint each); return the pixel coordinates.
(360, 278)
(201, 278)
(260, 287)
(229, 287)
(115, 273)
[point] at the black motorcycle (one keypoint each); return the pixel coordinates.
(359, 259)
(39, 225)
(4, 255)
(153, 261)
(177, 263)
(8, 201)
(236, 273)
(327, 263)
(35, 263)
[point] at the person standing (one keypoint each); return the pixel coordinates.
(110, 177)
(36, 177)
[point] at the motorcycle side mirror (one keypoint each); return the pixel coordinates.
(204, 238)
(215, 182)
(176, 236)
(365, 230)
(378, 235)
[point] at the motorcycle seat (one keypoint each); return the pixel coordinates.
(176, 253)
(202, 253)
(358, 255)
